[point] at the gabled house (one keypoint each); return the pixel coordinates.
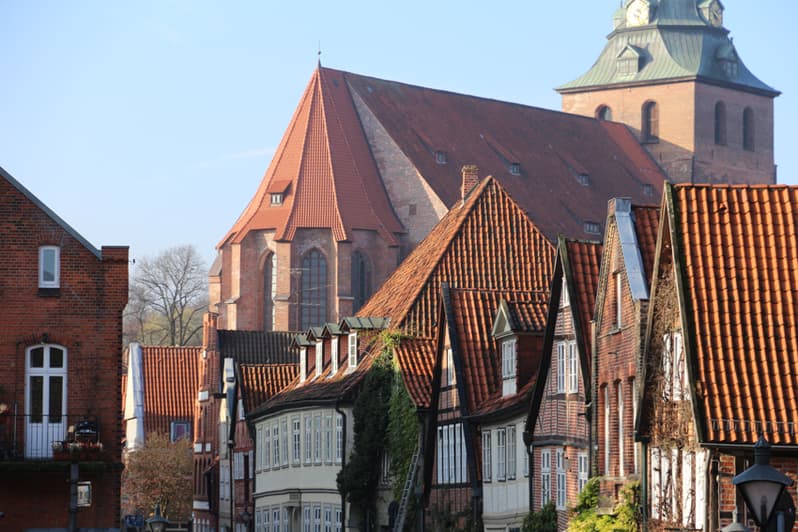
(61, 353)
(720, 353)
(621, 315)
(488, 362)
(557, 428)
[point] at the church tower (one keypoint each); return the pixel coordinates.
(671, 73)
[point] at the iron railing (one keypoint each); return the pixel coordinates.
(45, 437)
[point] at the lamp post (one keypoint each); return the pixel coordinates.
(246, 518)
(157, 523)
(761, 485)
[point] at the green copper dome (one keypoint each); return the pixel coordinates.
(668, 40)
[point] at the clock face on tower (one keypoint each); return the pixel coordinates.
(716, 14)
(638, 13)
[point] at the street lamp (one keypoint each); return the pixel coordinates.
(157, 523)
(246, 518)
(761, 484)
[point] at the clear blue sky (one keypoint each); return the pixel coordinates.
(151, 123)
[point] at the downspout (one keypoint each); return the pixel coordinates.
(644, 484)
(343, 460)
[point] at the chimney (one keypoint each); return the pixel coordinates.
(470, 180)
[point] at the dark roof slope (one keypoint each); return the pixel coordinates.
(258, 347)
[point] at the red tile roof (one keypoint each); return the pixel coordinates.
(470, 315)
(547, 149)
(171, 382)
(582, 265)
(324, 154)
(646, 220)
(488, 242)
(739, 251)
(416, 360)
(260, 382)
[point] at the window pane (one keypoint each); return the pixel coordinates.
(48, 265)
(313, 290)
(37, 357)
(56, 399)
(36, 399)
(56, 357)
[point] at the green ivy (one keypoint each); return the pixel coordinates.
(586, 518)
(543, 521)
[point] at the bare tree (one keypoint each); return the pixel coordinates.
(167, 298)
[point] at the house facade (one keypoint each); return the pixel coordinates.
(559, 414)
(719, 326)
(62, 350)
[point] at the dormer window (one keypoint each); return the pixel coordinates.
(509, 369)
(584, 179)
(352, 350)
(319, 356)
(515, 168)
(303, 363)
(49, 267)
(277, 199)
(333, 355)
(628, 62)
(592, 228)
(441, 157)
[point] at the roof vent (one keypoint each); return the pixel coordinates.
(592, 228)
(470, 179)
(440, 157)
(584, 179)
(648, 189)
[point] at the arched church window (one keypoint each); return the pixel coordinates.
(650, 126)
(313, 290)
(748, 129)
(604, 113)
(269, 291)
(361, 280)
(720, 123)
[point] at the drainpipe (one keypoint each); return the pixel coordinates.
(343, 460)
(644, 484)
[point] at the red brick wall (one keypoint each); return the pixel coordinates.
(85, 316)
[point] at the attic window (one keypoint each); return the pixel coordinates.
(584, 179)
(592, 228)
(515, 168)
(648, 190)
(277, 199)
(440, 157)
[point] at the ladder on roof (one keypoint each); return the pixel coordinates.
(410, 484)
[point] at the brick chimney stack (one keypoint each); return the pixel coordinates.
(470, 179)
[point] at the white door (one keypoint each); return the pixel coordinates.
(45, 399)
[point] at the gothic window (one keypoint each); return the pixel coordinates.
(361, 280)
(720, 123)
(650, 125)
(313, 290)
(748, 129)
(269, 291)
(604, 113)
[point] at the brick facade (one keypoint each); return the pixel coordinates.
(82, 316)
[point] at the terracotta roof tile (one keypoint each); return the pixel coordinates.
(416, 359)
(646, 220)
(739, 247)
(527, 316)
(582, 277)
(260, 382)
(171, 381)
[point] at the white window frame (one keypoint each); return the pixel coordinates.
(633, 387)
(45, 257)
(328, 439)
(618, 299)
(284, 436)
(50, 426)
(487, 457)
(303, 364)
(545, 477)
(319, 356)
(276, 515)
(565, 299)
(296, 426)
(308, 439)
(307, 518)
(501, 454)
(508, 359)
(583, 472)
(573, 368)
(338, 517)
(621, 432)
(328, 513)
(317, 518)
(339, 438)
(450, 373)
(317, 439)
(561, 486)
(276, 444)
(451, 454)
(561, 362)
(511, 452)
(333, 355)
(607, 432)
(267, 519)
(352, 349)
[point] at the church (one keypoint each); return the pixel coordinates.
(367, 167)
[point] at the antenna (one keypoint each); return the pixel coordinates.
(318, 53)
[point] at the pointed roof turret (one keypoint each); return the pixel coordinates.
(679, 40)
(323, 174)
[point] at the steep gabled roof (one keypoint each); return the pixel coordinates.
(325, 170)
(486, 242)
(532, 152)
(260, 382)
(171, 381)
(646, 223)
(736, 251)
(469, 317)
(581, 265)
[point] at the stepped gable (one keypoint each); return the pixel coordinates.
(258, 347)
(581, 265)
(678, 44)
(533, 152)
(470, 315)
(171, 381)
(737, 248)
(646, 221)
(485, 242)
(325, 172)
(260, 382)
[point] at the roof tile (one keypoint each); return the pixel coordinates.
(171, 380)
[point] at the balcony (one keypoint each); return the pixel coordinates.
(49, 438)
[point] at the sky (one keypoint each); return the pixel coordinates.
(151, 123)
